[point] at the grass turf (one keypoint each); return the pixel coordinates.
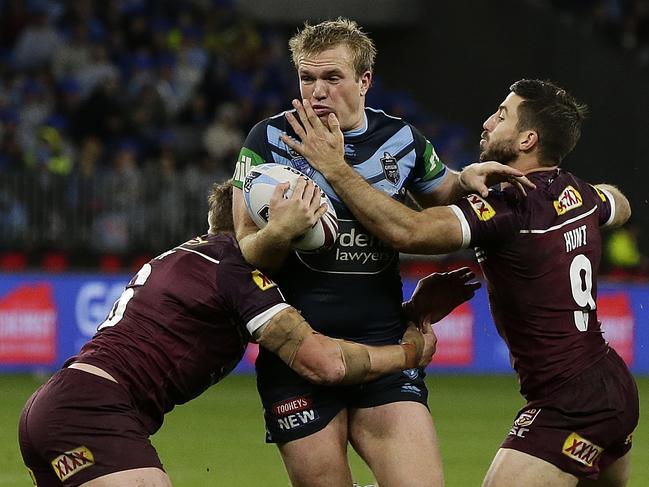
(217, 440)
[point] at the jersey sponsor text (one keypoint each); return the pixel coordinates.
(71, 462)
(581, 450)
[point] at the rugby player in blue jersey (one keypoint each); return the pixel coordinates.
(540, 255)
(352, 291)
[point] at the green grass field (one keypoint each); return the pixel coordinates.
(217, 440)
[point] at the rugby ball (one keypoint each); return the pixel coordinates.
(257, 190)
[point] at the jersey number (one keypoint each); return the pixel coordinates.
(581, 283)
(117, 312)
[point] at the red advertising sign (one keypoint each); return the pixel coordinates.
(28, 325)
(615, 313)
(455, 338)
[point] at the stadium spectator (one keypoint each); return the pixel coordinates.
(540, 256)
(388, 421)
(180, 326)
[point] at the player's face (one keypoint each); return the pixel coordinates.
(499, 140)
(328, 81)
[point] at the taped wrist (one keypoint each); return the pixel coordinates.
(411, 355)
(356, 359)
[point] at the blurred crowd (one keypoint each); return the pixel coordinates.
(624, 23)
(116, 116)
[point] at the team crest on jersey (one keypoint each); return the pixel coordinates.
(390, 168)
(581, 450)
(527, 417)
(71, 462)
(569, 199)
(483, 209)
(300, 163)
(262, 280)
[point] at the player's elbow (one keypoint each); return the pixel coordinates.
(623, 210)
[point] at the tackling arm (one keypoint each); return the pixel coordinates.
(266, 249)
(328, 361)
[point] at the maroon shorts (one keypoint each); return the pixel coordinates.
(586, 425)
(77, 427)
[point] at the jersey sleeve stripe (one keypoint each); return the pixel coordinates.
(611, 201)
(265, 316)
(466, 229)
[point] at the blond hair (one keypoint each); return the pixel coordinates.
(313, 39)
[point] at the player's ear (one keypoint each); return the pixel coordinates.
(366, 82)
(528, 140)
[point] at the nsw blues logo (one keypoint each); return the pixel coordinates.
(390, 168)
(300, 163)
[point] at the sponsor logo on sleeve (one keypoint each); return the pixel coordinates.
(294, 412)
(71, 462)
(601, 194)
(522, 424)
(569, 199)
(581, 450)
(390, 168)
(262, 280)
(483, 210)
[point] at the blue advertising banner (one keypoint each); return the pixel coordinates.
(46, 318)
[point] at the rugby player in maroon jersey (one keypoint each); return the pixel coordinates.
(540, 255)
(180, 326)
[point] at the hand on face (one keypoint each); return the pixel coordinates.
(292, 216)
(322, 145)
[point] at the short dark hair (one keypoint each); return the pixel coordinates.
(220, 208)
(553, 113)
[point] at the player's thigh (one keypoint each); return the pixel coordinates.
(137, 477)
(615, 475)
(399, 443)
(320, 459)
(513, 468)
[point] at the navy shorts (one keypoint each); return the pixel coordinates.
(295, 408)
(585, 425)
(77, 427)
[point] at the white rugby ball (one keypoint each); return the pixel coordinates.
(257, 190)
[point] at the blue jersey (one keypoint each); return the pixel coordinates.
(353, 290)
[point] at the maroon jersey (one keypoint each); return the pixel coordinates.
(540, 255)
(182, 323)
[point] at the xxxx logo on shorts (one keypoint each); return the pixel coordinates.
(581, 450)
(71, 462)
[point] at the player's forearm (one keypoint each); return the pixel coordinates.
(265, 249)
(620, 202)
(386, 218)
